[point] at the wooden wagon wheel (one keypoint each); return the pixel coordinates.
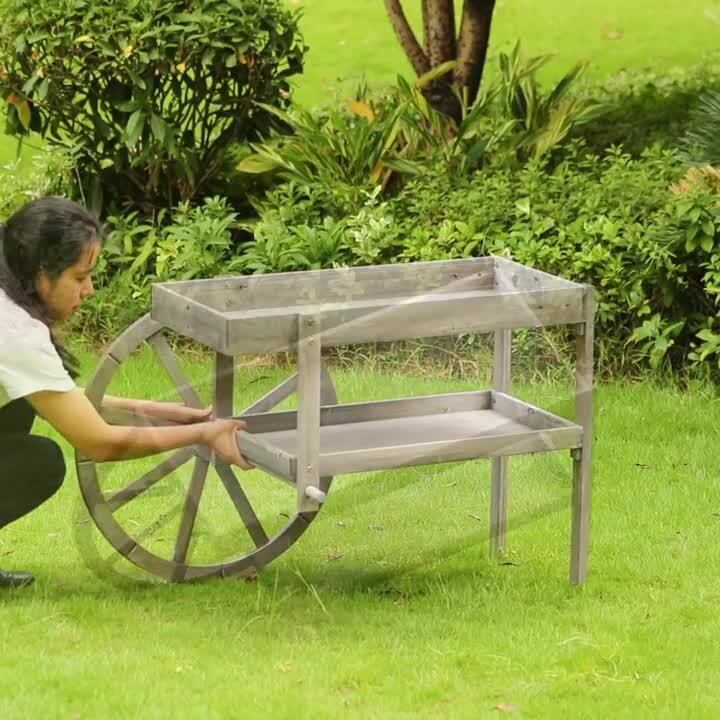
(106, 505)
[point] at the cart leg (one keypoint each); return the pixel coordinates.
(498, 502)
(310, 496)
(582, 457)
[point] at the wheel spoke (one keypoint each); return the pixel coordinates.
(328, 396)
(242, 504)
(124, 496)
(172, 366)
(274, 397)
(287, 388)
(192, 502)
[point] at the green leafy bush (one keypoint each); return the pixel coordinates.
(191, 242)
(648, 107)
(45, 173)
(146, 94)
(611, 221)
(351, 154)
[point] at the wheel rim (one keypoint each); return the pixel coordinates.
(107, 506)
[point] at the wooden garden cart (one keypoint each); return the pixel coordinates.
(303, 449)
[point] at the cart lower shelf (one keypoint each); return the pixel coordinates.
(414, 431)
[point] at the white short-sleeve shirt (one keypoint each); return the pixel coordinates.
(29, 362)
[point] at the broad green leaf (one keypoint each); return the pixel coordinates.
(257, 163)
(435, 73)
(157, 124)
(134, 127)
(24, 113)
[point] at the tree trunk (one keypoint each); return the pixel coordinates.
(406, 37)
(442, 45)
(473, 45)
(439, 24)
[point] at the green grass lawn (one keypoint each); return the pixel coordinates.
(389, 606)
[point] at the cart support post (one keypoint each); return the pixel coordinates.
(582, 457)
(498, 504)
(310, 494)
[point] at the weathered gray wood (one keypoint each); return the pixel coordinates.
(133, 337)
(498, 501)
(172, 366)
(150, 478)
(428, 453)
(95, 389)
(274, 397)
(188, 317)
(283, 391)
(223, 398)
(242, 504)
(582, 459)
(346, 413)
(511, 275)
(99, 510)
(334, 285)
(267, 457)
(190, 510)
(308, 415)
(328, 396)
(273, 329)
(425, 438)
(527, 414)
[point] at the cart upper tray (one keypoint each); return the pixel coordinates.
(259, 313)
(411, 431)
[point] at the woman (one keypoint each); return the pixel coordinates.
(49, 249)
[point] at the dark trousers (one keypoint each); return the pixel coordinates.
(32, 468)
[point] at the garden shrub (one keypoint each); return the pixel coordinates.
(146, 94)
(185, 244)
(613, 221)
(648, 107)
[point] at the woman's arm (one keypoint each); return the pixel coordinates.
(170, 411)
(76, 419)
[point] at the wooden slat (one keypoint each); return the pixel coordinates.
(274, 330)
(124, 496)
(511, 275)
(534, 417)
(190, 510)
(241, 503)
(262, 455)
(582, 460)
(226, 294)
(384, 458)
(499, 471)
(188, 317)
(172, 366)
(308, 415)
(440, 404)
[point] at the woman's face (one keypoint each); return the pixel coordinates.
(63, 295)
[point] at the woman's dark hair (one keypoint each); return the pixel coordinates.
(46, 235)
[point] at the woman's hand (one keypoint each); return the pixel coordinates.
(221, 436)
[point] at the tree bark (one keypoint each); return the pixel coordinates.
(406, 37)
(439, 23)
(473, 45)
